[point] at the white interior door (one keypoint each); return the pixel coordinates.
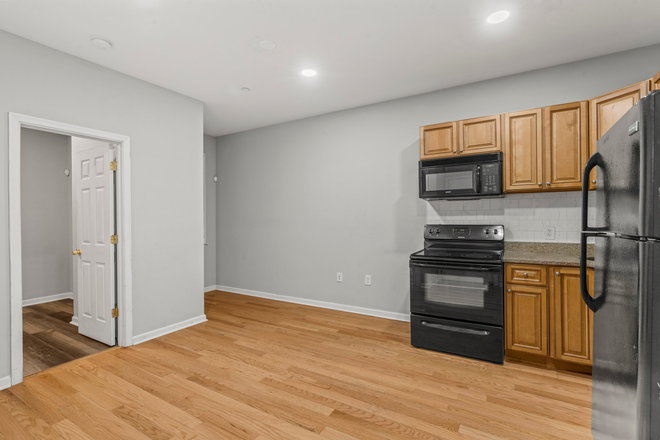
(95, 225)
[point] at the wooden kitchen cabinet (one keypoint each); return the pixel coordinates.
(546, 149)
(607, 109)
(471, 136)
(655, 82)
(439, 140)
(573, 321)
(565, 145)
(480, 135)
(523, 157)
(526, 319)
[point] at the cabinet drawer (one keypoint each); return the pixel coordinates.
(528, 274)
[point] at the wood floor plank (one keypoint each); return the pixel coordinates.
(50, 340)
(261, 369)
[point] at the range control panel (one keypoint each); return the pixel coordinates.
(464, 232)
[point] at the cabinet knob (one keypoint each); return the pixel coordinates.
(547, 183)
(508, 290)
(556, 273)
(593, 181)
(454, 151)
(540, 184)
(525, 274)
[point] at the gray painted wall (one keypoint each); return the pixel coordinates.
(210, 248)
(45, 214)
(300, 201)
(166, 132)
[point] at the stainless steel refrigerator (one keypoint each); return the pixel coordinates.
(626, 297)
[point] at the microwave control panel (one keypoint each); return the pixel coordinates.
(491, 178)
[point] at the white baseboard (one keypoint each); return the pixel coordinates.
(144, 337)
(47, 299)
(5, 382)
(210, 288)
(315, 303)
(74, 321)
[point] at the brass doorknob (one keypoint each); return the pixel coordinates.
(76, 252)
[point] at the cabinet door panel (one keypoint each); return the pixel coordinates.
(439, 140)
(655, 82)
(573, 319)
(607, 109)
(480, 135)
(523, 165)
(566, 145)
(527, 319)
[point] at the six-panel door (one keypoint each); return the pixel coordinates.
(480, 135)
(439, 140)
(607, 109)
(526, 320)
(523, 159)
(573, 319)
(565, 145)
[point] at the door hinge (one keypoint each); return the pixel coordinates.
(115, 312)
(114, 239)
(113, 165)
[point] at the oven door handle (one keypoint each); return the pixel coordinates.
(451, 328)
(443, 266)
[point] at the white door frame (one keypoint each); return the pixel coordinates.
(124, 246)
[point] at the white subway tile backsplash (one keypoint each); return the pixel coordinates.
(524, 216)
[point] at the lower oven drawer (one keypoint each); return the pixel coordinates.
(477, 341)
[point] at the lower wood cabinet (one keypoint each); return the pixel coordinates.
(527, 319)
(548, 323)
(573, 321)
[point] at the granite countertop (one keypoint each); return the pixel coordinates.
(560, 254)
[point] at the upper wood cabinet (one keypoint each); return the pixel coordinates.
(439, 140)
(546, 149)
(480, 135)
(565, 144)
(607, 109)
(573, 321)
(523, 158)
(655, 82)
(526, 319)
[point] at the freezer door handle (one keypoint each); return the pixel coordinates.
(593, 303)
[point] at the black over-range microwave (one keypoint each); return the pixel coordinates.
(464, 177)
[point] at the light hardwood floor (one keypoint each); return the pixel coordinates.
(49, 339)
(262, 369)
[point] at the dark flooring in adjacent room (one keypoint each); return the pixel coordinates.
(49, 339)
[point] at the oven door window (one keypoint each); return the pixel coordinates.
(459, 293)
(448, 181)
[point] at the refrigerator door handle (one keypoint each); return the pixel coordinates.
(587, 231)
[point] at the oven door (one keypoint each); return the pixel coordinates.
(472, 293)
(449, 181)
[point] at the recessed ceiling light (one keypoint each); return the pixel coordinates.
(498, 17)
(101, 44)
(267, 45)
(309, 72)
(245, 89)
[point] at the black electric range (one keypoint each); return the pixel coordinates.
(457, 291)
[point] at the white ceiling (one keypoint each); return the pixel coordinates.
(365, 51)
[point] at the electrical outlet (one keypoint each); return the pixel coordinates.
(367, 280)
(549, 233)
(340, 277)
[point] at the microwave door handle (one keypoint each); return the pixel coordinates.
(477, 179)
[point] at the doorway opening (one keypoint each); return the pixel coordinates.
(70, 243)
